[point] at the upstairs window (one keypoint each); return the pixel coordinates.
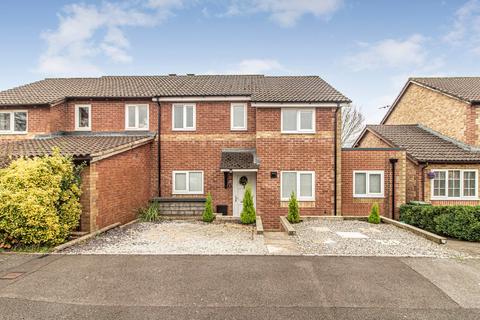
(83, 119)
(302, 183)
(238, 116)
(455, 184)
(368, 184)
(188, 182)
(13, 122)
(183, 117)
(298, 120)
(136, 117)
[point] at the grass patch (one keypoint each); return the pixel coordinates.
(150, 213)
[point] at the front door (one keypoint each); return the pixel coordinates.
(240, 179)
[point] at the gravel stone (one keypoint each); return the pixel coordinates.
(175, 237)
(319, 237)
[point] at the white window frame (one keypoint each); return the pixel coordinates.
(77, 117)
(461, 197)
(137, 119)
(298, 130)
(245, 117)
(297, 192)
(187, 172)
(12, 122)
(367, 181)
(184, 106)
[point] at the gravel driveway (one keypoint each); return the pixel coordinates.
(358, 238)
(175, 237)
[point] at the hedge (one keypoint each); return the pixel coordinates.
(461, 222)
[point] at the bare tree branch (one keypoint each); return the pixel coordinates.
(353, 122)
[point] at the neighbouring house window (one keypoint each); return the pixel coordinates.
(298, 120)
(368, 184)
(302, 183)
(136, 117)
(455, 184)
(83, 120)
(238, 115)
(13, 122)
(188, 182)
(183, 117)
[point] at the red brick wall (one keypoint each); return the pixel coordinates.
(122, 185)
(371, 159)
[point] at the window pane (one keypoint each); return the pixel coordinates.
(306, 185)
(189, 111)
(180, 181)
(131, 116)
(178, 117)
(195, 183)
(454, 183)
(143, 117)
(439, 184)
(306, 120)
(238, 117)
(5, 121)
(289, 184)
(289, 120)
(375, 183)
(83, 116)
(469, 183)
(20, 121)
(360, 183)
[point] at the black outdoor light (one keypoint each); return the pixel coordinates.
(273, 174)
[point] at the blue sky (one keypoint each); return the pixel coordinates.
(365, 48)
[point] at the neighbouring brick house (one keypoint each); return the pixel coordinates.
(436, 122)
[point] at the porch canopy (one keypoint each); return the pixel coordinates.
(239, 159)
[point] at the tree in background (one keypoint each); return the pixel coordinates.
(353, 122)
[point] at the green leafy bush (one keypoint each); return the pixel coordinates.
(374, 216)
(293, 210)
(208, 215)
(150, 213)
(39, 201)
(248, 215)
(461, 222)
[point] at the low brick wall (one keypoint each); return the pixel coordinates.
(180, 206)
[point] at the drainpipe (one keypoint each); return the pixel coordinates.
(423, 167)
(335, 161)
(393, 162)
(159, 118)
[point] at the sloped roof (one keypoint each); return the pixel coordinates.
(239, 159)
(464, 88)
(425, 145)
(260, 88)
(77, 146)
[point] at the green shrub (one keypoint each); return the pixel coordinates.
(293, 210)
(39, 201)
(461, 222)
(208, 215)
(248, 215)
(374, 216)
(150, 213)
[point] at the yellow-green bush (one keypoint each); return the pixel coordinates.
(39, 201)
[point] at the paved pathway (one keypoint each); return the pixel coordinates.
(238, 287)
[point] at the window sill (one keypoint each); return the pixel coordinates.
(455, 199)
(83, 129)
(357, 196)
(238, 129)
(187, 193)
(297, 132)
(13, 133)
(184, 130)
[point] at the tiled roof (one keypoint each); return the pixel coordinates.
(239, 159)
(78, 146)
(260, 88)
(425, 145)
(465, 88)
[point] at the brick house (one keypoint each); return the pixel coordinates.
(436, 122)
(176, 138)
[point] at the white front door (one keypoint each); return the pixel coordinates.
(239, 179)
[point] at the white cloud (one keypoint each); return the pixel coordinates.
(285, 12)
(466, 27)
(389, 53)
(253, 66)
(87, 32)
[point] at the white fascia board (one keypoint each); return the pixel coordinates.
(294, 105)
(193, 99)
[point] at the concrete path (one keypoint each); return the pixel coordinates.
(280, 243)
(237, 287)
